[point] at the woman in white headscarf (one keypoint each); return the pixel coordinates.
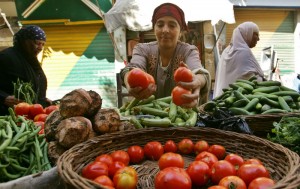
(237, 60)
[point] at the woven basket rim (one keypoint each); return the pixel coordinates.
(70, 176)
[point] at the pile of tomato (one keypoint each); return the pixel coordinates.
(35, 112)
(212, 167)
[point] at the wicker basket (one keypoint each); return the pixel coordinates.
(283, 164)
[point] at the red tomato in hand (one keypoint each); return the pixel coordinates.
(261, 183)
(199, 172)
(112, 169)
(22, 109)
(170, 159)
(50, 109)
(120, 155)
(40, 117)
(138, 78)
(125, 178)
(136, 154)
(233, 182)
(105, 158)
(186, 146)
(221, 169)
(177, 97)
(104, 180)
(153, 150)
(249, 172)
(183, 74)
(172, 177)
(170, 146)
(235, 160)
(35, 109)
(207, 157)
(94, 170)
(218, 150)
(201, 146)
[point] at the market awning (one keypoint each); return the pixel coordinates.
(136, 15)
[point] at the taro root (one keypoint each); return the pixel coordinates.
(51, 123)
(75, 103)
(73, 130)
(106, 121)
(54, 151)
(96, 103)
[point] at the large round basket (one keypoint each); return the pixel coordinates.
(283, 164)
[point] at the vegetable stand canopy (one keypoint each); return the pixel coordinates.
(136, 15)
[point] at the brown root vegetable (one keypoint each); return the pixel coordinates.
(51, 123)
(106, 121)
(73, 130)
(126, 125)
(75, 103)
(96, 103)
(54, 151)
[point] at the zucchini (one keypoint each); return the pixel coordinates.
(150, 122)
(273, 111)
(270, 89)
(239, 111)
(269, 83)
(251, 105)
(283, 104)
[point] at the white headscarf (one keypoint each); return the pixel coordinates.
(237, 60)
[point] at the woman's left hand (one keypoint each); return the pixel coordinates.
(195, 86)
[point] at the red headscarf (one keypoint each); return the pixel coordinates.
(169, 9)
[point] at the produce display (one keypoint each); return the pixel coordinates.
(209, 166)
(250, 97)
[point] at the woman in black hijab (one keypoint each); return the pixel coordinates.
(20, 62)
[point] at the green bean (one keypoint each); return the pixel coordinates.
(38, 154)
(12, 114)
(18, 167)
(17, 136)
(7, 141)
(13, 123)
(13, 148)
(9, 175)
(46, 159)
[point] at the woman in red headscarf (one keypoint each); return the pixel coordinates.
(162, 57)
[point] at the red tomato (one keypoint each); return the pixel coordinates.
(170, 146)
(153, 150)
(126, 178)
(105, 158)
(120, 155)
(40, 117)
(186, 146)
(233, 182)
(22, 108)
(253, 161)
(50, 109)
(177, 97)
(94, 170)
(138, 78)
(183, 74)
(218, 150)
(112, 169)
(136, 154)
(216, 187)
(35, 109)
(261, 183)
(201, 146)
(150, 79)
(235, 160)
(221, 169)
(206, 157)
(249, 172)
(172, 177)
(104, 180)
(199, 173)
(170, 159)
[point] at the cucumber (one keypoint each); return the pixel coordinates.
(288, 99)
(240, 103)
(252, 78)
(273, 111)
(283, 104)
(270, 89)
(209, 106)
(251, 105)
(150, 122)
(229, 100)
(242, 90)
(265, 107)
(272, 103)
(246, 81)
(239, 111)
(258, 107)
(269, 96)
(284, 88)
(239, 95)
(293, 94)
(246, 86)
(234, 86)
(269, 83)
